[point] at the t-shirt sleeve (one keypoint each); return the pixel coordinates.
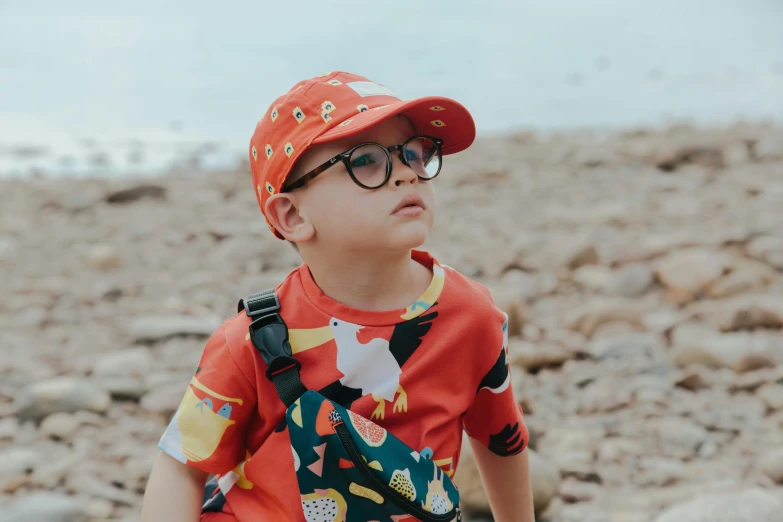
(495, 418)
(208, 430)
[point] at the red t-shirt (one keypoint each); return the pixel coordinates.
(424, 373)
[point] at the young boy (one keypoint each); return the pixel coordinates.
(343, 169)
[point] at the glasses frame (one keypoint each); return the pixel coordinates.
(345, 157)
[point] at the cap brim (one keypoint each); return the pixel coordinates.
(432, 115)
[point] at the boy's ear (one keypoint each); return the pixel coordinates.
(284, 214)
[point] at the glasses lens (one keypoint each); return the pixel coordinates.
(369, 164)
(422, 155)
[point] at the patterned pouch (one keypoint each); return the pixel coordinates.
(348, 468)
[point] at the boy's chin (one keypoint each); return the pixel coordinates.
(409, 237)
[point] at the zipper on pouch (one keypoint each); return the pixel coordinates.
(403, 503)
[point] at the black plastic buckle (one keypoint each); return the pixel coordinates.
(269, 334)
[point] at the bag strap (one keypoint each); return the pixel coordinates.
(269, 334)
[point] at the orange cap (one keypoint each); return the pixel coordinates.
(337, 105)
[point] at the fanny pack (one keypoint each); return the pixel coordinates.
(347, 467)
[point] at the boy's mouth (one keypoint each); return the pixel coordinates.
(411, 205)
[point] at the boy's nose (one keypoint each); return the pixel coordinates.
(401, 173)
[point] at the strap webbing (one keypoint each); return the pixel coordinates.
(289, 385)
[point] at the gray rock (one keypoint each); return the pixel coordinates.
(708, 450)
(49, 474)
(32, 316)
(751, 505)
(627, 346)
(100, 509)
(8, 248)
(164, 399)
(124, 374)
(771, 463)
(703, 345)
(62, 394)
(769, 147)
(103, 257)
(658, 472)
(572, 490)
(631, 280)
(534, 356)
(521, 282)
(17, 461)
(588, 317)
(8, 428)
(680, 437)
(130, 194)
(742, 312)
(581, 256)
(134, 362)
(60, 425)
(691, 270)
(593, 277)
(745, 275)
(546, 283)
(772, 395)
(85, 483)
(46, 507)
(616, 449)
(768, 249)
(577, 464)
(157, 327)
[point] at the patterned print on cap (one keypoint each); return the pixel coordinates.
(362, 107)
(437, 123)
(270, 188)
(328, 106)
(255, 153)
(437, 108)
(289, 149)
(346, 122)
(268, 151)
(298, 114)
(274, 113)
(334, 82)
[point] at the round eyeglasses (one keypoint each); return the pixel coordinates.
(370, 164)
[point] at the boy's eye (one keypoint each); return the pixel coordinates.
(412, 155)
(362, 161)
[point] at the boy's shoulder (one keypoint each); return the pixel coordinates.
(465, 291)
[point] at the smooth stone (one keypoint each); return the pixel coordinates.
(164, 399)
(632, 280)
(60, 425)
(103, 257)
(751, 505)
(157, 327)
(61, 394)
(691, 270)
(772, 395)
(45, 507)
(572, 490)
(771, 463)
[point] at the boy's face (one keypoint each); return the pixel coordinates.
(345, 215)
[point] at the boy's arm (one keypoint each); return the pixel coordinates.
(174, 493)
(507, 484)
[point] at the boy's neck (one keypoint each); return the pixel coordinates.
(390, 281)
